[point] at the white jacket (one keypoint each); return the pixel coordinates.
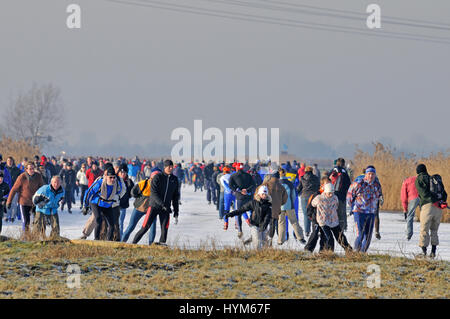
(81, 178)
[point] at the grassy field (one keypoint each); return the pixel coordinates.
(40, 270)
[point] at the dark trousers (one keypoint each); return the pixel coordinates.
(210, 191)
(164, 218)
(100, 214)
(68, 198)
(314, 237)
(116, 230)
(25, 211)
(239, 204)
(335, 232)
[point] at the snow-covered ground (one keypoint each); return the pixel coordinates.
(199, 226)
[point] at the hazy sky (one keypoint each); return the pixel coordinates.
(135, 73)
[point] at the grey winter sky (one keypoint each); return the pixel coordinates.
(132, 73)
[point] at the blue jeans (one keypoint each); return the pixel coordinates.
(364, 229)
(412, 205)
(221, 196)
(123, 212)
(134, 219)
(306, 221)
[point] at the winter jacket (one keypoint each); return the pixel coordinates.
(93, 175)
(225, 183)
(301, 171)
(290, 190)
(326, 214)
(125, 199)
(93, 194)
(342, 192)
(278, 194)
(408, 191)
(81, 178)
(141, 191)
(423, 189)
(26, 186)
(68, 178)
(54, 197)
(363, 197)
(164, 191)
(208, 171)
(242, 180)
(218, 180)
(261, 212)
(14, 172)
(214, 179)
(133, 170)
(4, 191)
(309, 184)
(6, 176)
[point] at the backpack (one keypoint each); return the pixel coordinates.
(336, 180)
(437, 187)
(136, 191)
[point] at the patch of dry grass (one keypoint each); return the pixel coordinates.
(39, 270)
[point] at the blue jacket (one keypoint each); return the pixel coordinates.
(50, 208)
(133, 170)
(290, 190)
(93, 194)
(6, 176)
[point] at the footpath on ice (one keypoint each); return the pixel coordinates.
(199, 227)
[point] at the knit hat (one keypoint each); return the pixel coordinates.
(263, 190)
(168, 162)
(421, 168)
(370, 169)
(239, 166)
(123, 167)
(328, 188)
(110, 171)
(226, 169)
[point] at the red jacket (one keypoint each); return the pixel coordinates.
(409, 191)
(301, 172)
(92, 177)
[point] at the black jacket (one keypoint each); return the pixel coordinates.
(261, 212)
(242, 180)
(14, 171)
(125, 200)
(309, 184)
(4, 190)
(214, 179)
(208, 171)
(68, 178)
(346, 182)
(164, 190)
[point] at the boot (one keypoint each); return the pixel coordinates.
(424, 251)
(433, 251)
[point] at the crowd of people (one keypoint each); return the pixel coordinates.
(267, 196)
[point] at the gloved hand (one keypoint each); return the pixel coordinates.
(381, 200)
(85, 210)
(8, 206)
(406, 215)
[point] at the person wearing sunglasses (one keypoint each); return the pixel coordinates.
(100, 197)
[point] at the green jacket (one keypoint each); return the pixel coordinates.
(423, 188)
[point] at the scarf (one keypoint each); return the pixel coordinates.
(104, 191)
